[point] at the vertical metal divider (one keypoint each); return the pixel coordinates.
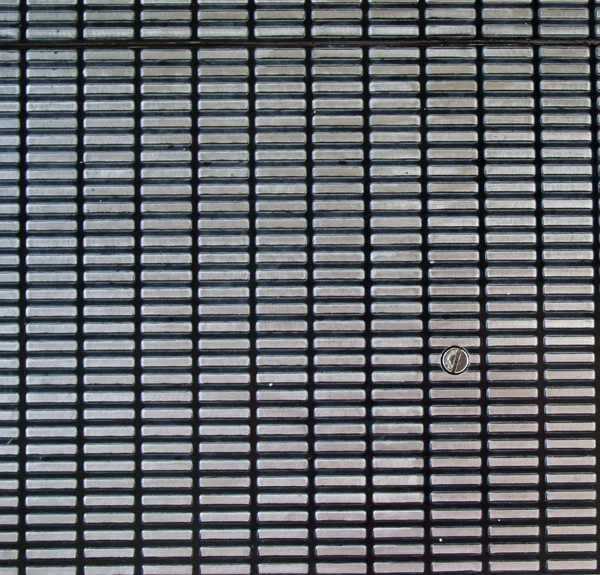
(425, 306)
(137, 217)
(23, 21)
(22, 391)
(368, 287)
(80, 353)
(596, 249)
(541, 420)
(252, 249)
(195, 268)
(483, 364)
(310, 314)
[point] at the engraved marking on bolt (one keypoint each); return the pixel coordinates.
(455, 360)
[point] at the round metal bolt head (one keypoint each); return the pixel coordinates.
(455, 360)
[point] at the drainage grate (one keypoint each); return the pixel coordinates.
(236, 239)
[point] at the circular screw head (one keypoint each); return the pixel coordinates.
(455, 360)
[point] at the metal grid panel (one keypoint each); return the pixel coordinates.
(229, 273)
(34, 21)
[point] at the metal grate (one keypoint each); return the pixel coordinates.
(178, 21)
(235, 240)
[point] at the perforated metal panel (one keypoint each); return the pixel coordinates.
(235, 239)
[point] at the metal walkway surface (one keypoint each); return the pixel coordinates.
(236, 239)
